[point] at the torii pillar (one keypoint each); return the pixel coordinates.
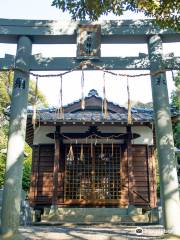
(164, 136)
(15, 154)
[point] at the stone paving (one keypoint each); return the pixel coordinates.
(83, 232)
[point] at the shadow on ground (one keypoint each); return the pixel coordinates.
(90, 232)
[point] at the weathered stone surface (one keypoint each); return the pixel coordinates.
(93, 232)
(164, 139)
(97, 215)
(17, 129)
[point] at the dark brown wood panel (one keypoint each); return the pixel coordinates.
(41, 174)
(140, 175)
(152, 178)
(143, 177)
(33, 185)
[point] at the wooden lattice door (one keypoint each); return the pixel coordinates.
(95, 178)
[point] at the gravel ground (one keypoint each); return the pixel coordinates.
(100, 232)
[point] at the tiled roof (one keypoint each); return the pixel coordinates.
(89, 116)
(138, 115)
(93, 112)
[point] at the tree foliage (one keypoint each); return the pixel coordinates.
(166, 12)
(138, 104)
(27, 168)
(176, 94)
(6, 83)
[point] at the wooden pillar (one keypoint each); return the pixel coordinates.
(61, 172)
(34, 175)
(124, 200)
(130, 165)
(56, 166)
(152, 177)
(164, 139)
(15, 153)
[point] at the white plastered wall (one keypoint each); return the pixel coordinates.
(40, 135)
(146, 135)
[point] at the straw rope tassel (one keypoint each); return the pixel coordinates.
(61, 112)
(70, 153)
(82, 91)
(34, 105)
(104, 105)
(91, 148)
(82, 153)
(103, 93)
(129, 120)
(173, 77)
(112, 150)
(102, 150)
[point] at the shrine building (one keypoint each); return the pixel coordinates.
(88, 160)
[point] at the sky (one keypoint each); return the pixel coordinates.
(140, 88)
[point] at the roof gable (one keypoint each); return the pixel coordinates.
(93, 103)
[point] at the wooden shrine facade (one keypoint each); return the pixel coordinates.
(94, 182)
(25, 33)
(94, 161)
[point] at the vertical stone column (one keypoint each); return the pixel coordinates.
(164, 139)
(15, 153)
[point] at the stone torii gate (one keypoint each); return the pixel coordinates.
(28, 32)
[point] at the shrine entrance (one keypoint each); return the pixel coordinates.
(94, 179)
(88, 38)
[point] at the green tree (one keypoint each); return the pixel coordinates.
(166, 13)
(176, 93)
(6, 82)
(139, 104)
(27, 167)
